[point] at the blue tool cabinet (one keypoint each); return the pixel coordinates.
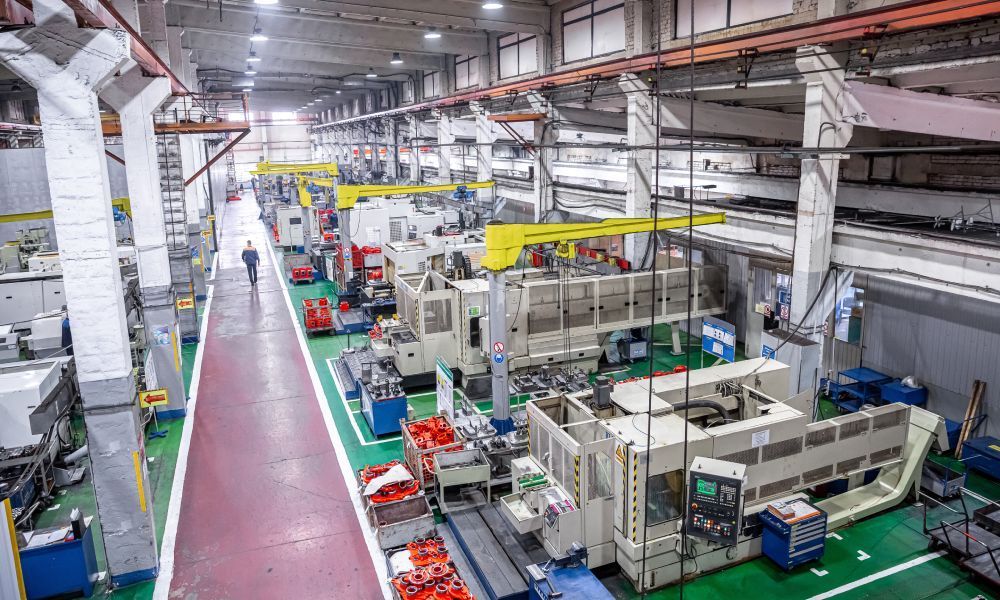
(796, 540)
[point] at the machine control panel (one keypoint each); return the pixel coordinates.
(715, 500)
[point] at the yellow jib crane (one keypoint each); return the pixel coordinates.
(504, 243)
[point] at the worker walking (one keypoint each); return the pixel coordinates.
(251, 258)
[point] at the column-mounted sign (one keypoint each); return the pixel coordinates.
(718, 338)
(445, 389)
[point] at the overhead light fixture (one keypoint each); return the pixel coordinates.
(432, 34)
(371, 73)
(492, 5)
(310, 103)
(258, 36)
(265, 2)
(246, 89)
(250, 71)
(319, 99)
(337, 92)
(16, 87)
(253, 57)
(396, 59)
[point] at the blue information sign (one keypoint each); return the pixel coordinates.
(718, 338)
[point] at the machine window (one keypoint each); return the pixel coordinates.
(598, 476)
(664, 496)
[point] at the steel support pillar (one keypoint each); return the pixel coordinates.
(545, 139)
(135, 98)
(66, 65)
(446, 140)
(641, 123)
(824, 73)
(498, 351)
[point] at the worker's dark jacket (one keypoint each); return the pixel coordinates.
(250, 256)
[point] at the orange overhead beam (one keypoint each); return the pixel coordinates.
(516, 117)
(114, 128)
(896, 18)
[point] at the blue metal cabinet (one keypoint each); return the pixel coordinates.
(565, 582)
(60, 568)
(790, 544)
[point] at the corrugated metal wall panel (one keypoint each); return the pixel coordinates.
(943, 339)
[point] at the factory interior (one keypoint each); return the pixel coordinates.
(499, 300)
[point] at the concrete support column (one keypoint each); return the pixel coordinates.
(153, 24)
(415, 140)
(191, 152)
(824, 73)
(446, 137)
(641, 123)
(66, 65)
(485, 137)
(545, 136)
(391, 149)
(498, 347)
(642, 15)
(175, 53)
(136, 97)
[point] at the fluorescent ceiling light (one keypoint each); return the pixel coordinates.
(258, 36)
(253, 57)
(250, 71)
(246, 89)
(319, 99)
(432, 34)
(492, 5)
(337, 92)
(371, 73)
(396, 59)
(265, 2)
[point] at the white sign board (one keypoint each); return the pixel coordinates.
(445, 389)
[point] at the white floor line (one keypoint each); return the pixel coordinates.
(343, 399)
(880, 575)
(378, 559)
(162, 589)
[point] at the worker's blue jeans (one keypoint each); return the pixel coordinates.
(252, 272)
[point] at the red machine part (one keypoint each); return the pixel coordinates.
(371, 250)
(432, 433)
(433, 577)
(375, 274)
(395, 491)
(372, 471)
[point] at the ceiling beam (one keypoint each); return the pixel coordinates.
(888, 108)
(523, 17)
(311, 51)
(330, 31)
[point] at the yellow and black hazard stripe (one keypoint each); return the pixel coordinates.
(635, 495)
(576, 479)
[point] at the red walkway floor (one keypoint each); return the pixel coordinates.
(265, 512)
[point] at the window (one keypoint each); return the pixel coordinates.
(432, 84)
(407, 91)
(518, 54)
(849, 315)
(710, 15)
(593, 29)
(466, 71)
(663, 497)
(599, 476)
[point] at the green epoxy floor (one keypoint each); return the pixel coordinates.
(163, 454)
(888, 539)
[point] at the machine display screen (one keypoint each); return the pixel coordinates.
(708, 488)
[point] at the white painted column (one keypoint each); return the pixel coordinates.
(135, 98)
(485, 137)
(446, 137)
(391, 149)
(545, 157)
(641, 122)
(66, 64)
(415, 140)
(817, 196)
(153, 24)
(191, 153)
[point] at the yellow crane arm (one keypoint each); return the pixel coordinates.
(347, 195)
(504, 241)
(122, 203)
(268, 168)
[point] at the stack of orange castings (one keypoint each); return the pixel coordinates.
(432, 433)
(395, 491)
(437, 582)
(372, 471)
(317, 313)
(428, 551)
